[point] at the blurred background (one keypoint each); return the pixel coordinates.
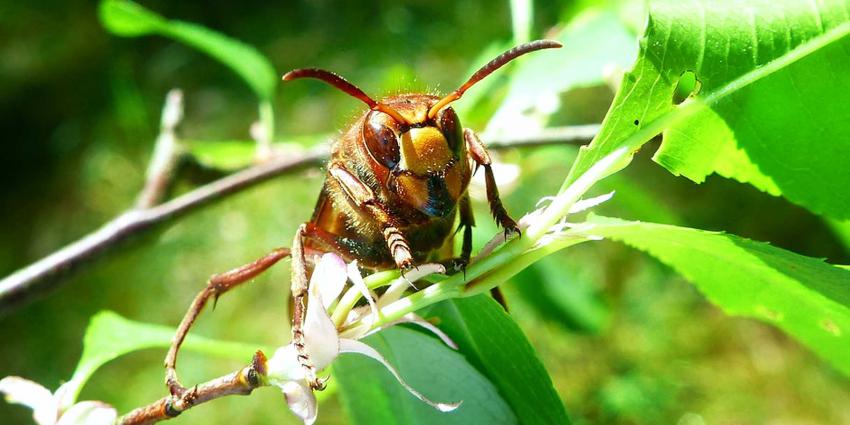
(626, 340)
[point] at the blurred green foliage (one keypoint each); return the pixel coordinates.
(79, 109)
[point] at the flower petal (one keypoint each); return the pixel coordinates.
(329, 277)
(584, 204)
(33, 395)
(283, 366)
(353, 346)
(301, 401)
(89, 413)
(419, 321)
(66, 394)
(321, 341)
(362, 327)
(357, 281)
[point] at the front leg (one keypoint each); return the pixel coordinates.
(365, 199)
(479, 154)
(216, 286)
(299, 285)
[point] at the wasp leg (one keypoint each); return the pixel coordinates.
(467, 221)
(481, 157)
(216, 286)
(362, 196)
(298, 290)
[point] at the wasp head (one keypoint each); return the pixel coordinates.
(416, 140)
(425, 155)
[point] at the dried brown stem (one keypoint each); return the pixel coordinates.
(240, 382)
(48, 273)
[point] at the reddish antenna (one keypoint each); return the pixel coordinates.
(343, 84)
(488, 69)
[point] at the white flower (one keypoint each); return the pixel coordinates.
(323, 342)
(52, 408)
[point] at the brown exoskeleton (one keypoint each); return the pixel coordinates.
(396, 180)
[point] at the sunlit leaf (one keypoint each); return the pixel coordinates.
(128, 19)
(561, 290)
(110, 336)
(803, 296)
(372, 396)
(842, 232)
(769, 109)
(496, 346)
(594, 43)
(225, 155)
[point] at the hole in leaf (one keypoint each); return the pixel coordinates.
(687, 86)
(769, 313)
(637, 122)
(831, 327)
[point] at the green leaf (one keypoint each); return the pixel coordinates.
(371, 395)
(593, 42)
(496, 346)
(769, 110)
(803, 296)
(841, 229)
(109, 336)
(563, 291)
(225, 155)
(522, 20)
(128, 19)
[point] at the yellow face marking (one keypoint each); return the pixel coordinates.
(424, 150)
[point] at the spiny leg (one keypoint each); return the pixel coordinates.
(362, 196)
(467, 221)
(298, 290)
(481, 157)
(216, 286)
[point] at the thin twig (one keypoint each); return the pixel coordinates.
(49, 272)
(166, 153)
(240, 382)
(567, 135)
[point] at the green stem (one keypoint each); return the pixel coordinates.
(266, 111)
(267, 118)
(566, 198)
(509, 270)
(446, 289)
(352, 295)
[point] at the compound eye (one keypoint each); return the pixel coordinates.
(381, 140)
(451, 128)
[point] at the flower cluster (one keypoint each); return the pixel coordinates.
(323, 339)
